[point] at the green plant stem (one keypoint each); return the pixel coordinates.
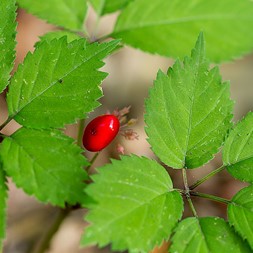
(44, 242)
(211, 197)
(91, 162)
(80, 132)
(187, 193)
(5, 123)
(211, 174)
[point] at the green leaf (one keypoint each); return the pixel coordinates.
(206, 235)
(135, 205)
(170, 27)
(103, 7)
(47, 164)
(7, 40)
(58, 83)
(188, 112)
(238, 150)
(68, 14)
(3, 197)
(57, 35)
(240, 213)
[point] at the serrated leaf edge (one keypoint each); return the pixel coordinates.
(46, 198)
(14, 51)
(5, 210)
(113, 44)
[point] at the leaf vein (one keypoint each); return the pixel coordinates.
(212, 109)
(85, 61)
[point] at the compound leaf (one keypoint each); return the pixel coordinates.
(3, 197)
(58, 83)
(188, 112)
(240, 213)
(103, 7)
(7, 40)
(206, 235)
(238, 150)
(68, 14)
(45, 163)
(132, 197)
(170, 27)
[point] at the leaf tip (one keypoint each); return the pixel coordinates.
(199, 51)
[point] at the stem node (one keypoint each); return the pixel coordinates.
(187, 193)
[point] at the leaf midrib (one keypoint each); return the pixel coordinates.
(195, 80)
(53, 83)
(177, 21)
(34, 172)
(133, 209)
(203, 234)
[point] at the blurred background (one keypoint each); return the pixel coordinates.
(131, 74)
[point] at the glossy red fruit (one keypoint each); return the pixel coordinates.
(100, 132)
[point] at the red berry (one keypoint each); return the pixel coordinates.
(100, 132)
